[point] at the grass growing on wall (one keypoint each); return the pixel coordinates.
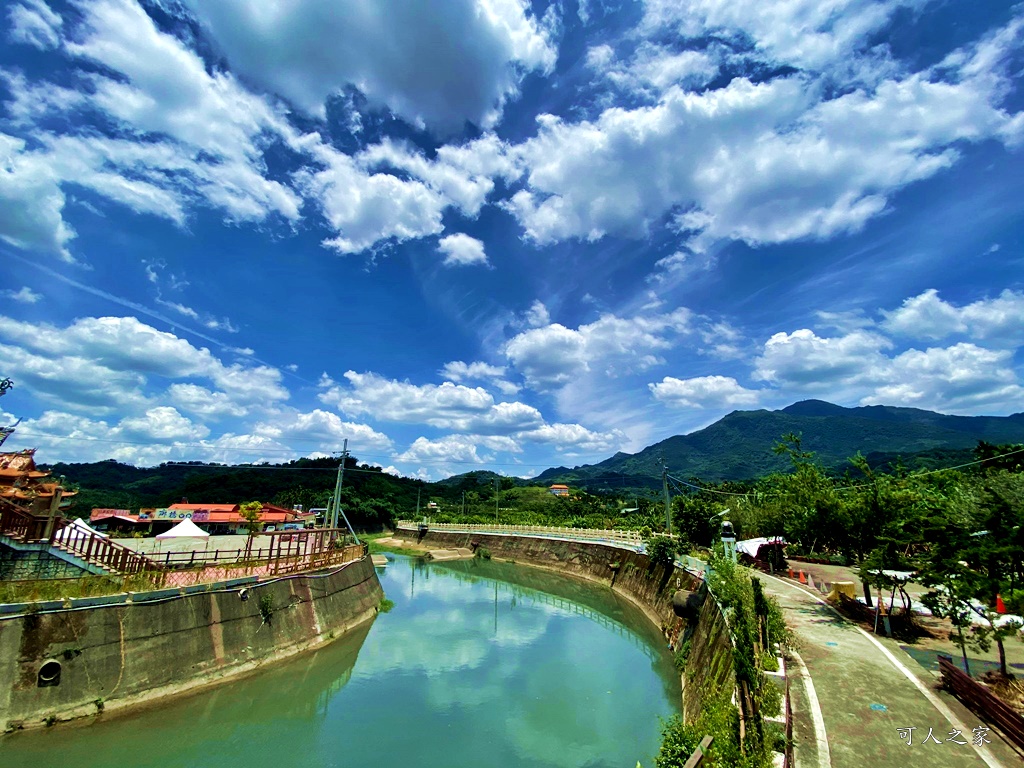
(58, 589)
(755, 624)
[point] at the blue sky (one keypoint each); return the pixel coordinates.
(497, 234)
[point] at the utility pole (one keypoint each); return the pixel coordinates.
(336, 500)
(418, 503)
(497, 485)
(668, 501)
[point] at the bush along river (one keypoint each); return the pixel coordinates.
(477, 663)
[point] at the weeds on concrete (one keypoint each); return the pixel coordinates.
(266, 607)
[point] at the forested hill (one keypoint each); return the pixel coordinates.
(739, 446)
(371, 497)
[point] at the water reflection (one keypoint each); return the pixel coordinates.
(477, 663)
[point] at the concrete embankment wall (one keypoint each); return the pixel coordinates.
(162, 643)
(651, 588)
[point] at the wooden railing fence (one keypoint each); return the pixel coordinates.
(981, 701)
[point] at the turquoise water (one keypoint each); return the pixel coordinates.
(478, 664)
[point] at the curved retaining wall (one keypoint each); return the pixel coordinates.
(122, 650)
(709, 667)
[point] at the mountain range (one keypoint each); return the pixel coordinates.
(739, 446)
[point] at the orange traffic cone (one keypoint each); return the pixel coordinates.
(791, 573)
(803, 578)
(1000, 605)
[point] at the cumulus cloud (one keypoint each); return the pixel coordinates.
(460, 449)
(861, 366)
(31, 201)
(204, 402)
(446, 406)
(654, 68)
(703, 392)
(537, 315)
(463, 174)
(365, 208)
(552, 355)
(574, 439)
(24, 295)
(323, 428)
(105, 363)
(176, 133)
(963, 378)
(805, 361)
(439, 65)
(926, 316)
(461, 250)
(459, 371)
(766, 162)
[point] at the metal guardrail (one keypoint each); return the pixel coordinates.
(982, 702)
(583, 534)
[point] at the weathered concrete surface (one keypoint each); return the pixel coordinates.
(630, 574)
(116, 656)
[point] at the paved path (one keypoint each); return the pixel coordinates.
(867, 688)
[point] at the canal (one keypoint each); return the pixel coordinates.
(478, 664)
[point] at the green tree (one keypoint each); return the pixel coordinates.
(251, 512)
(661, 550)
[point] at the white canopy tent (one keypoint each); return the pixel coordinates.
(77, 529)
(186, 529)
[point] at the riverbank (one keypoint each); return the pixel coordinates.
(108, 654)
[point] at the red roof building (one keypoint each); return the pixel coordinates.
(212, 518)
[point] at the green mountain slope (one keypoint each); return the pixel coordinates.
(739, 446)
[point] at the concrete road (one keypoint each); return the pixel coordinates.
(864, 690)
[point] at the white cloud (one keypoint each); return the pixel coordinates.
(459, 371)
(859, 366)
(680, 265)
(574, 439)
(963, 378)
(204, 402)
(655, 68)
(766, 162)
(804, 361)
(363, 208)
(181, 134)
(33, 22)
(803, 33)
(323, 428)
(553, 355)
(703, 392)
(537, 315)
(441, 65)
(25, 295)
(461, 173)
(461, 250)
(456, 449)
(445, 406)
(926, 316)
(31, 201)
(106, 363)
(161, 423)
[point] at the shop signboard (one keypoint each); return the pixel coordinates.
(172, 514)
(101, 514)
